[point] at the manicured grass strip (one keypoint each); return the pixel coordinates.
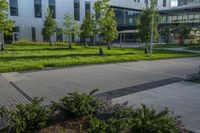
(21, 58)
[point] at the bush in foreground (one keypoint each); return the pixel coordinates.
(95, 115)
(28, 118)
(77, 104)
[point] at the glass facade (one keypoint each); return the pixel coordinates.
(164, 3)
(52, 7)
(126, 17)
(187, 2)
(38, 8)
(77, 10)
(87, 7)
(192, 17)
(14, 8)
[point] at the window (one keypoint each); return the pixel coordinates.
(146, 2)
(52, 7)
(14, 7)
(38, 8)
(87, 7)
(77, 10)
(33, 34)
(164, 3)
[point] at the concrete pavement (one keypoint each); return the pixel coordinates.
(148, 82)
(183, 98)
(55, 84)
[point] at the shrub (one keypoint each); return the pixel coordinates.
(77, 104)
(146, 120)
(112, 125)
(29, 118)
(30, 43)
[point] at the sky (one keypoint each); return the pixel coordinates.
(174, 3)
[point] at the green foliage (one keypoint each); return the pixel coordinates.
(50, 26)
(106, 22)
(29, 117)
(77, 104)
(142, 120)
(6, 24)
(144, 23)
(97, 126)
(112, 125)
(86, 30)
(181, 31)
(70, 27)
(146, 120)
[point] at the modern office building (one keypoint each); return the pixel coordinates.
(29, 15)
(187, 2)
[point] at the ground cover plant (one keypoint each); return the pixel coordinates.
(34, 56)
(107, 117)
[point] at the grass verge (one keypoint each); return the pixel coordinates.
(22, 58)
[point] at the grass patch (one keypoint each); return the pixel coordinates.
(21, 58)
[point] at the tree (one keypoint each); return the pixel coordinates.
(147, 24)
(106, 22)
(70, 27)
(50, 26)
(182, 31)
(6, 24)
(86, 30)
(165, 31)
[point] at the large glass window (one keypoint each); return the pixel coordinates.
(14, 7)
(164, 3)
(125, 17)
(77, 10)
(38, 8)
(52, 7)
(87, 7)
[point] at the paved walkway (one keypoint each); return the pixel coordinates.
(55, 84)
(184, 49)
(113, 80)
(182, 97)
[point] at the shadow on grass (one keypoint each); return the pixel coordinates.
(59, 56)
(41, 49)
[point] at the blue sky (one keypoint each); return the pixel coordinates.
(174, 2)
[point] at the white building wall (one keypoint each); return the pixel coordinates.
(26, 19)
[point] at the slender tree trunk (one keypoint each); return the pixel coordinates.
(85, 42)
(70, 46)
(108, 45)
(2, 44)
(2, 47)
(94, 40)
(50, 44)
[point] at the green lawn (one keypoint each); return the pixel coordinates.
(21, 58)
